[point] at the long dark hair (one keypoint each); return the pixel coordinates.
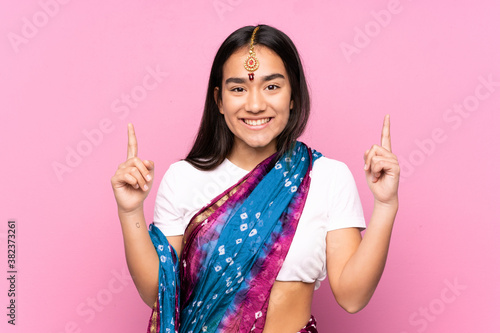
(214, 140)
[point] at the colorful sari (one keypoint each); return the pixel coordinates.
(233, 249)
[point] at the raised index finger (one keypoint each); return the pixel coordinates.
(385, 141)
(132, 142)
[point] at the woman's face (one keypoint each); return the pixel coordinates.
(255, 111)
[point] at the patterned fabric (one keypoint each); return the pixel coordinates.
(234, 248)
(310, 327)
(166, 307)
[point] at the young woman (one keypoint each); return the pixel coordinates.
(252, 220)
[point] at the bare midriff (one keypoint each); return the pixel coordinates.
(289, 306)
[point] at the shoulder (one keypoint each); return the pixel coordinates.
(181, 171)
(325, 167)
(182, 167)
(186, 181)
(177, 174)
(333, 177)
(185, 171)
(181, 174)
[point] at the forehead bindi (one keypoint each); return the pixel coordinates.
(269, 63)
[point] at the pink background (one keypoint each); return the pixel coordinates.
(67, 64)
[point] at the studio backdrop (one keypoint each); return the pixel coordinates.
(74, 73)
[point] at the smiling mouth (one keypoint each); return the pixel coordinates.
(256, 122)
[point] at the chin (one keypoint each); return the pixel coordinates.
(255, 142)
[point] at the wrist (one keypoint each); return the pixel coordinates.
(389, 206)
(139, 211)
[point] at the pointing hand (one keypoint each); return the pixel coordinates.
(382, 168)
(133, 179)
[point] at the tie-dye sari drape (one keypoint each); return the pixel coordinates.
(233, 250)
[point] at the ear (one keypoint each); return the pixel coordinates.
(291, 104)
(216, 98)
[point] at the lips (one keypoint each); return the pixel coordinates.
(256, 122)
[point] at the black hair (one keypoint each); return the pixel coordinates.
(215, 140)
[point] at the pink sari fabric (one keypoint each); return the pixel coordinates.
(310, 327)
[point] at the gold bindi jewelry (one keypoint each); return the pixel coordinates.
(252, 64)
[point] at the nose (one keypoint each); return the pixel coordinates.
(255, 101)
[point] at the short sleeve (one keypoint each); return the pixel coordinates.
(344, 205)
(167, 214)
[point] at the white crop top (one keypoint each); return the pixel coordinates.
(332, 203)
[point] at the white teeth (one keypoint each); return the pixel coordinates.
(256, 122)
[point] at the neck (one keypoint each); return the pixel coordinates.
(247, 157)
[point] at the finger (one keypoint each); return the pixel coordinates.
(376, 150)
(382, 166)
(132, 142)
(141, 165)
(385, 141)
(377, 167)
(374, 170)
(134, 171)
(129, 179)
(365, 156)
(149, 164)
(123, 178)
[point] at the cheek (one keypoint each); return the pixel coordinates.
(227, 119)
(230, 106)
(286, 118)
(282, 101)
(231, 122)
(282, 105)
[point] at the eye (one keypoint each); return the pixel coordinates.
(272, 87)
(237, 89)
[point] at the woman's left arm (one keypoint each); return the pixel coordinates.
(355, 265)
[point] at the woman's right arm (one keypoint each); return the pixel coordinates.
(131, 185)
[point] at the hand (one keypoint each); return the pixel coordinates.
(382, 169)
(133, 180)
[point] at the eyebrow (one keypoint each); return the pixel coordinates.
(266, 78)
